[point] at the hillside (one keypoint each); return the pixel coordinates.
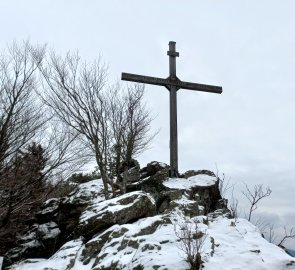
(144, 229)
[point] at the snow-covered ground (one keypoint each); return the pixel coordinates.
(237, 245)
(152, 242)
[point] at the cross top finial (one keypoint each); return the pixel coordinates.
(172, 50)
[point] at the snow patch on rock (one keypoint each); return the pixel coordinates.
(201, 180)
(99, 207)
(63, 259)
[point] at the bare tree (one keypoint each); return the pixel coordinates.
(64, 155)
(254, 196)
(32, 148)
(130, 126)
(75, 95)
(20, 116)
(111, 125)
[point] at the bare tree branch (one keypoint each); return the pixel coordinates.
(255, 196)
(20, 116)
(289, 234)
(33, 147)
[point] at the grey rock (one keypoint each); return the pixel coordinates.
(122, 209)
(152, 168)
(38, 242)
(190, 173)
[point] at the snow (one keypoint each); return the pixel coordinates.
(49, 230)
(242, 247)
(88, 191)
(194, 181)
(184, 201)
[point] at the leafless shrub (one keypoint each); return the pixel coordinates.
(288, 234)
(272, 234)
(260, 223)
(61, 189)
(191, 241)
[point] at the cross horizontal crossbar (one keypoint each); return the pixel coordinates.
(171, 82)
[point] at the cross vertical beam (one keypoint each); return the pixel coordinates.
(173, 111)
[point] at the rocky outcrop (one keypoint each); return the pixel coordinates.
(200, 191)
(140, 229)
(33, 242)
(145, 238)
(85, 212)
(55, 223)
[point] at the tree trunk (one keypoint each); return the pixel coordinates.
(104, 176)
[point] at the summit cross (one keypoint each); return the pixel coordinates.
(172, 83)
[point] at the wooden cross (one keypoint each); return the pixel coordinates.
(172, 83)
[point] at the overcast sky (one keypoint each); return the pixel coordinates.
(247, 47)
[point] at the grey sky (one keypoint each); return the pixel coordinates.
(247, 47)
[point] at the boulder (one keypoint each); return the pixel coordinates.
(126, 208)
(201, 191)
(131, 175)
(48, 211)
(40, 241)
(152, 168)
(196, 195)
